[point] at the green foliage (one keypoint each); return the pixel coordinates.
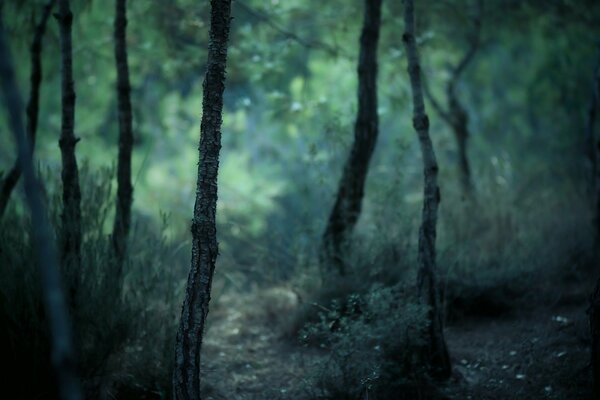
(372, 343)
(124, 332)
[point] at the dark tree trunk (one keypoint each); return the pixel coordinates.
(455, 114)
(70, 249)
(460, 127)
(437, 351)
(63, 360)
(594, 316)
(125, 190)
(186, 374)
(348, 202)
(12, 178)
(593, 152)
(593, 147)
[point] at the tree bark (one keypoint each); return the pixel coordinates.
(455, 114)
(63, 360)
(186, 374)
(348, 202)
(70, 249)
(35, 78)
(593, 153)
(437, 351)
(593, 147)
(594, 319)
(125, 190)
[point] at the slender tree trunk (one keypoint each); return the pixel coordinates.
(594, 318)
(460, 127)
(12, 178)
(125, 190)
(427, 287)
(593, 144)
(186, 374)
(70, 249)
(593, 153)
(63, 360)
(455, 114)
(348, 202)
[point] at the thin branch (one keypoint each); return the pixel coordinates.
(308, 43)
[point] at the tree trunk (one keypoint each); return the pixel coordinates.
(593, 152)
(437, 351)
(455, 114)
(186, 374)
(125, 190)
(593, 143)
(348, 202)
(63, 360)
(70, 249)
(12, 178)
(460, 127)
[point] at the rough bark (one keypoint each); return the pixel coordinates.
(437, 352)
(593, 153)
(186, 374)
(70, 247)
(455, 114)
(593, 147)
(594, 319)
(35, 78)
(125, 190)
(63, 360)
(348, 201)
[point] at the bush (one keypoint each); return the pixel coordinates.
(372, 343)
(124, 331)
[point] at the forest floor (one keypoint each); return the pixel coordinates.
(538, 352)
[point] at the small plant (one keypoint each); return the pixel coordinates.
(372, 342)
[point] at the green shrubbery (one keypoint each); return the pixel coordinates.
(124, 331)
(372, 342)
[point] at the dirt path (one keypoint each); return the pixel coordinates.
(542, 354)
(538, 354)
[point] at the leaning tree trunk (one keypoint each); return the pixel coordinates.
(9, 183)
(70, 249)
(125, 190)
(63, 360)
(437, 351)
(348, 202)
(186, 374)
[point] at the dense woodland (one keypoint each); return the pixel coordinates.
(375, 199)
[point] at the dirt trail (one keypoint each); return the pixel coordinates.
(536, 355)
(542, 353)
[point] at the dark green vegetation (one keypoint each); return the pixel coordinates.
(343, 273)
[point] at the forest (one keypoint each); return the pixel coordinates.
(300, 199)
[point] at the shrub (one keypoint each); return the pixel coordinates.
(372, 342)
(124, 333)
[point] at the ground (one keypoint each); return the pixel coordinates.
(537, 352)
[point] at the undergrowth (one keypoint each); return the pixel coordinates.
(124, 331)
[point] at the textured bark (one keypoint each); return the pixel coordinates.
(348, 202)
(593, 148)
(70, 247)
(186, 374)
(455, 114)
(63, 360)
(125, 190)
(593, 152)
(12, 178)
(594, 318)
(437, 351)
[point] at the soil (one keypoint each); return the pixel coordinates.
(539, 352)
